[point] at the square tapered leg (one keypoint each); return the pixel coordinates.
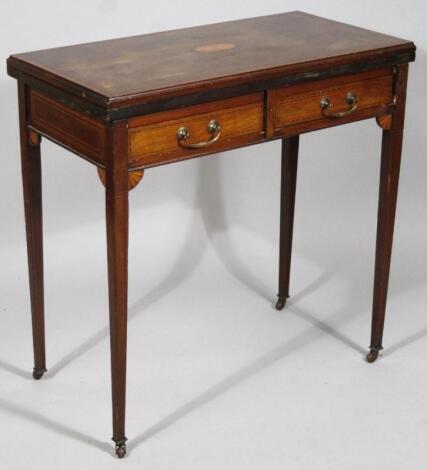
(287, 205)
(117, 216)
(32, 184)
(389, 180)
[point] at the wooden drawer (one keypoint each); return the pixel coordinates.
(153, 138)
(298, 108)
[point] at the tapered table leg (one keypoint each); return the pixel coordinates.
(287, 204)
(389, 179)
(32, 183)
(117, 214)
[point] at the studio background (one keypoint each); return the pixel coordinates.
(217, 378)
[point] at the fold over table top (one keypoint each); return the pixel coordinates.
(236, 56)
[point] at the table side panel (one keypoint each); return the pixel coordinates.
(78, 132)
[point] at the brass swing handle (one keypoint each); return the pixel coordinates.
(183, 134)
(325, 106)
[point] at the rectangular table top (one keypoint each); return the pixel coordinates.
(172, 63)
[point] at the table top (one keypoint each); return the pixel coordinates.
(186, 60)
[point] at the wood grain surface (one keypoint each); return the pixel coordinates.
(138, 70)
(155, 138)
(300, 104)
(81, 134)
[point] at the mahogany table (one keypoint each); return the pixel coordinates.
(129, 104)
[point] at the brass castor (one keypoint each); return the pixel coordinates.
(121, 448)
(281, 302)
(38, 373)
(372, 355)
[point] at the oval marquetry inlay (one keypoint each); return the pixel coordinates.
(134, 177)
(222, 46)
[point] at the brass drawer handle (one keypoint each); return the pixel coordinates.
(325, 106)
(183, 134)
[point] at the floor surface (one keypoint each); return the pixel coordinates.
(217, 378)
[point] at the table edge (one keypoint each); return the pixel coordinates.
(121, 107)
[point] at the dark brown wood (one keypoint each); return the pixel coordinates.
(119, 104)
(81, 134)
(32, 183)
(295, 109)
(117, 214)
(112, 75)
(290, 147)
(389, 180)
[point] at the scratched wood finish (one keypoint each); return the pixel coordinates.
(154, 139)
(79, 133)
(289, 107)
(123, 77)
(391, 153)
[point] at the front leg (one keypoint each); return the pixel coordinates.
(117, 214)
(32, 183)
(389, 180)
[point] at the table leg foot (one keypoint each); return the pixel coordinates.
(372, 356)
(121, 448)
(38, 373)
(281, 302)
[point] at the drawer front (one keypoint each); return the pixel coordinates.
(313, 105)
(195, 130)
